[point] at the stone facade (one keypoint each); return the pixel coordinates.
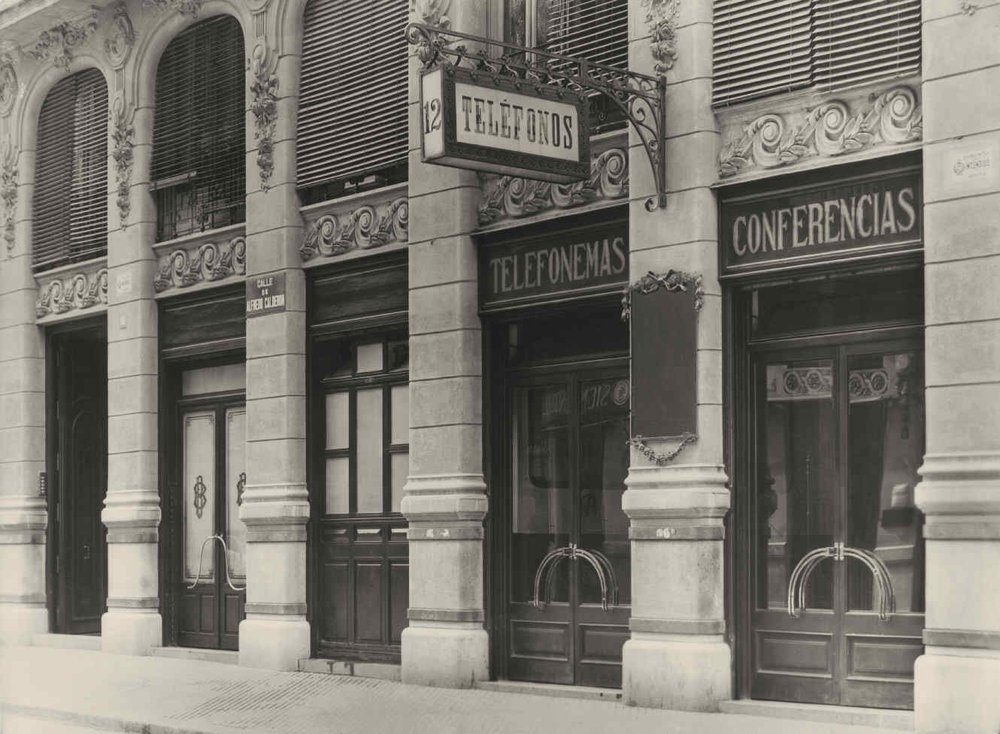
(680, 653)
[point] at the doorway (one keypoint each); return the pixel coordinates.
(210, 464)
(561, 451)
(834, 559)
(78, 476)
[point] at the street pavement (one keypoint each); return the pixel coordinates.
(65, 691)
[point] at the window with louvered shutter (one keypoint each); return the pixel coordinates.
(352, 122)
(596, 30)
(764, 47)
(71, 182)
(199, 144)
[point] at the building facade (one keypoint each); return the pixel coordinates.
(271, 383)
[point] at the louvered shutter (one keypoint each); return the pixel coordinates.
(352, 104)
(70, 219)
(760, 47)
(863, 41)
(199, 141)
(596, 30)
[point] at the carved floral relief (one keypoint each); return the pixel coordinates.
(365, 227)
(72, 292)
(122, 145)
(8, 191)
(58, 42)
(190, 8)
(120, 37)
(264, 105)
(829, 129)
(8, 84)
(661, 18)
(202, 262)
(511, 197)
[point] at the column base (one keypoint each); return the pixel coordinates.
(275, 644)
(444, 657)
(20, 622)
(954, 692)
(131, 633)
(677, 674)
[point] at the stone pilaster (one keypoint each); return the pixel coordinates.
(445, 501)
(133, 623)
(677, 656)
(23, 515)
(275, 633)
(959, 674)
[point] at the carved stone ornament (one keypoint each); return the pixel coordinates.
(8, 84)
(510, 197)
(661, 18)
(120, 37)
(366, 227)
(190, 8)
(264, 105)
(58, 42)
(72, 292)
(674, 281)
(434, 13)
(829, 129)
(8, 191)
(123, 143)
(202, 262)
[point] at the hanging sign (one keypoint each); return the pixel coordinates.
(572, 263)
(473, 120)
(265, 294)
(860, 218)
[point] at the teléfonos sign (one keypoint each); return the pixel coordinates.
(474, 121)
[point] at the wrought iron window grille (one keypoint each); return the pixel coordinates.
(640, 97)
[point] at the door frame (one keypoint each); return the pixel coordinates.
(56, 537)
(739, 437)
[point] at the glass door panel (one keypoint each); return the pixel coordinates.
(236, 479)
(199, 496)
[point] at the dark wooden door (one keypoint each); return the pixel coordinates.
(212, 576)
(81, 435)
(568, 566)
(837, 567)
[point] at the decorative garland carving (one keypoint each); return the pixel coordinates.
(73, 292)
(205, 261)
(264, 92)
(8, 84)
(123, 143)
(513, 197)
(121, 36)
(661, 17)
(190, 8)
(58, 42)
(829, 129)
(8, 191)
(674, 281)
(639, 442)
(363, 228)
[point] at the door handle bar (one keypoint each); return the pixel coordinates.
(598, 561)
(225, 555)
(798, 581)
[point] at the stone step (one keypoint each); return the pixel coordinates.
(67, 642)
(842, 715)
(226, 657)
(551, 689)
(381, 671)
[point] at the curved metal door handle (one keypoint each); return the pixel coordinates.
(225, 555)
(598, 561)
(798, 581)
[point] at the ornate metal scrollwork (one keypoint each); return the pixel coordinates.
(641, 98)
(241, 485)
(545, 573)
(199, 495)
(798, 582)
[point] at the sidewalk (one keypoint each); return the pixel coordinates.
(60, 691)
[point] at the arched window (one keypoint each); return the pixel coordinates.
(199, 148)
(352, 125)
(71, 173)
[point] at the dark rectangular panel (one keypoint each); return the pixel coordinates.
(399, 599)
(546, 640)
(882, 657)
(344, 296)
(601, 643)
(368, 602)
(208, 614)
(335, 601)
(215, 317)
(779, 652)
(664, 363)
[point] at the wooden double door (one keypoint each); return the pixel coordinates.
(837, 556)
(78, 453)
(568, 561)
(210, 577)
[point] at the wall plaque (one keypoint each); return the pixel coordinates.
(861, 217)
(473, 120)
(265, 294)
(554, 266)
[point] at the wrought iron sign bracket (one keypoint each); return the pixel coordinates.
(640, 97)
